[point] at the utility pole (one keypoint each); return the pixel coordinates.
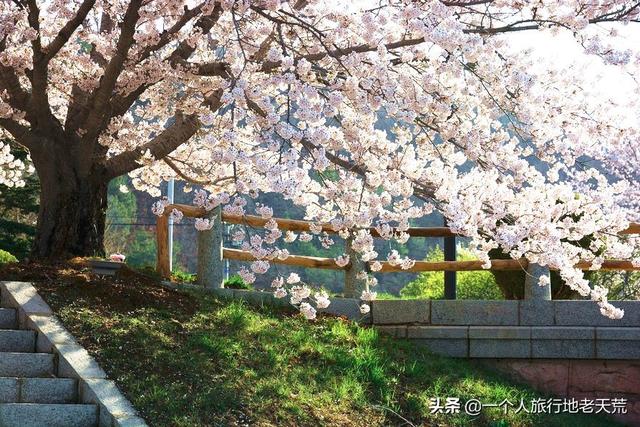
(228, 239)
(170, 196)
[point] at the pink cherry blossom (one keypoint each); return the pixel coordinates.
(117, 257)
(361, 119)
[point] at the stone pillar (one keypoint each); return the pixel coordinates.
(532, 288)
(210, 262)
(352, 285)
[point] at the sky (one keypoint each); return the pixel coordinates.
(562, 50)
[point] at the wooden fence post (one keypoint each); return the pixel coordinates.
(449, 276)
(532, 288)
(210, 262)
(162, 246)
(352, 284)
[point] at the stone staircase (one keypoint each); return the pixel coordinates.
(31, 393)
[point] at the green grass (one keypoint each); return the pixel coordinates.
(196, 360)
(6, 257)
(183, 277)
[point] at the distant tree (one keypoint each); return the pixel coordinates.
(622, 285)
(141, 250)
(469, 284)
(129, 228)
(121, 213)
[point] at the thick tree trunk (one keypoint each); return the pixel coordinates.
(73, 205)
(511, 283)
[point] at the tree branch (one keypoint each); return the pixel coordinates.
(77, 104)
(337, 53)
(465, 3)
(69, 28)
(119, 105)
(165, 37)
(163, 144)
(22, 134)
(183, 175)
(205, 24)
(216, 68)
(183, 128)
(96, 117)
(9, 81)
(191, 180)
(534, 24)
(39, 100)
(422, 191)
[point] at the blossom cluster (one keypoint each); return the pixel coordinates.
(462, 140)
(12, 170)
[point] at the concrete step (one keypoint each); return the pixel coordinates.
(17, 341)
(26, 365)
(47, 415)
(38, 390)
(8, 318)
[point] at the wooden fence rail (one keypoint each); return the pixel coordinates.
(162, 265)
(420, 266)
(293, 260)
(296, 224)
(497, 265)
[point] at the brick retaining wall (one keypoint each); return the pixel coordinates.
(580, 379)
(565, 348)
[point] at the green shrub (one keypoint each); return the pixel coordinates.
(386, 296)
(236, 282)
(622, 285)
(183, 277)
(6, 257)
(469, 284)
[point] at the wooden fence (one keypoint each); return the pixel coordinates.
(162, 265)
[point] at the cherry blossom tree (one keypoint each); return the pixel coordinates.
(624, 161)
(245, 97)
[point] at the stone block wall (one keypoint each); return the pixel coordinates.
(513, 329)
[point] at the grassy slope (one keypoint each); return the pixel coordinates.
(194, 360)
